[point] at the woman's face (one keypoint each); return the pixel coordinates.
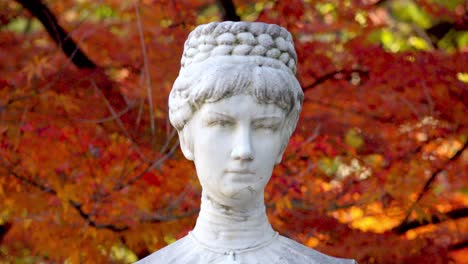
(235, 144)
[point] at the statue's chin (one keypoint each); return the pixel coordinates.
(239, 195)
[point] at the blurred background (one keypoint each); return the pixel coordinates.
(90, 170)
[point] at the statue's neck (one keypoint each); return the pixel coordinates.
(223, 228)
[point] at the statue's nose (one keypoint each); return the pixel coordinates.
(242, 146)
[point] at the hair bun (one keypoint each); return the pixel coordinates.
(240, 39)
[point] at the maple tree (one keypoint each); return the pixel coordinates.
(90, 170)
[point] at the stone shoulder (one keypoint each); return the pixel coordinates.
(282, 251)
(171, 254)
(294, 252)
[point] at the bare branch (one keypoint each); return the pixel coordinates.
(147, 70)
(107, 118)
(335, 75)
(119, 121)
(155, 164)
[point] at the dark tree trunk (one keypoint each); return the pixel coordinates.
(57, 33)
(229, 10)
(3, 230)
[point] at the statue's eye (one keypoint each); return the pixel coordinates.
(270, 127)
(220, 123)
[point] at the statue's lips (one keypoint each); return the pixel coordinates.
(239, 171)
(242, 176)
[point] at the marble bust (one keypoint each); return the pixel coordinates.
(235, 104)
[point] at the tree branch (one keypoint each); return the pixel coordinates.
(33, 183)
(350, 111)
(336, 75)
(93, 223)
(39, 10)
(401, 227)
(57, 33)
(435, 219)
(228, 10)
(3, 230)
(152, 218)
(74, 204)
(458, 245)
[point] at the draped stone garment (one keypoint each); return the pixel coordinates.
(279, 250)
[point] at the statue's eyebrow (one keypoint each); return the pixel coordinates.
(268, 118)
(213, 113)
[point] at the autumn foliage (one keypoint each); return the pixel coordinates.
(90, 170)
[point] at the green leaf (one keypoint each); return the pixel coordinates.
(409, 12)
(354, 139)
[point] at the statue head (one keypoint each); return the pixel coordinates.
(236, 101)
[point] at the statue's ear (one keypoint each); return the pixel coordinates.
(280, 155)
(185, 144)
(284, 144)
(281, 152)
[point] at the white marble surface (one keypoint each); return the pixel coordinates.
(225, 236)
(235, 104)
(278, 250)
